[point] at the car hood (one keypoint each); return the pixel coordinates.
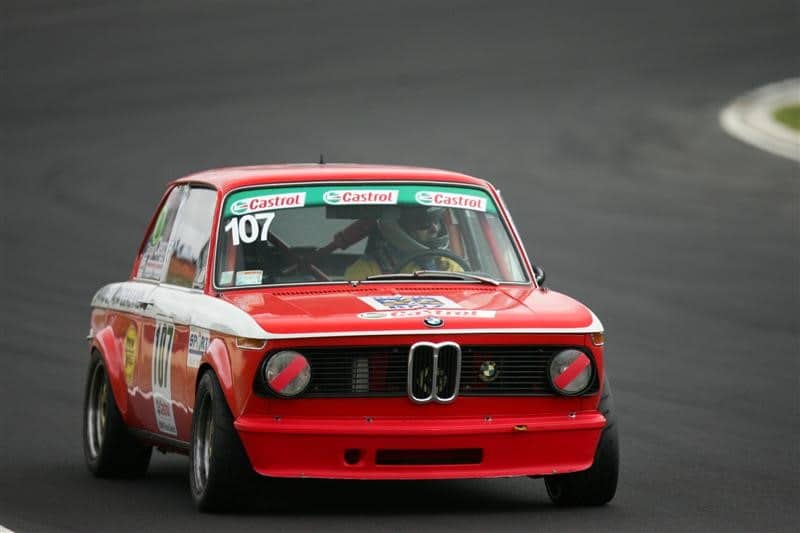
(367, 309)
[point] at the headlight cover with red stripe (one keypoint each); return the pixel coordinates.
(287, 373)
(570, 372)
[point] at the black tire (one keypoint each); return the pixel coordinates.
(109, 448)
(598, 484)
(220, 474)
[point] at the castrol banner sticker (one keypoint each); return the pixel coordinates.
(361, 197)
(268, 202)
(446, 199)
(247, 201)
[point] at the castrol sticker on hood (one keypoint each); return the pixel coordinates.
(406, 303)
(423, 313)
(404, 306)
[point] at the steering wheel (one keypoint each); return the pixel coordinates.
(299, 263)
(460, 261)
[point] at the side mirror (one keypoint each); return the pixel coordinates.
(538, 274)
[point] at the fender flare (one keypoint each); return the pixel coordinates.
(110, 349)
(218, 359)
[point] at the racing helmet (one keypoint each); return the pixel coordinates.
(400, 226)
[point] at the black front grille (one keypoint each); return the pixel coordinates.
(433, 373)
(344, 372)
(420, 380)
(506, 370)
(383, 371)
(448, 365)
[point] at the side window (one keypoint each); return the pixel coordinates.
(189, 251)
(157, 246)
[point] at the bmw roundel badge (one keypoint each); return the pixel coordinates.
(434, 322)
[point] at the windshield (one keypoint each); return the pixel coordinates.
(359, 231)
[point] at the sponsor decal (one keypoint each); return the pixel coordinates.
(361, 196)
(249, 277)
(374, 315)
(400, 302)
(268, 202)
(249, 228)
(198, 344)
(161, 373)
(226, 277)
(131, 352)
(424, 313)
(158, 229)
(249, 301)
(446, 199)
(153, 260)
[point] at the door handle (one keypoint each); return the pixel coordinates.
(153, 310)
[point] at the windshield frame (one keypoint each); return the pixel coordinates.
(502, 215)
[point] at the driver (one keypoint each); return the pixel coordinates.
(406, 240)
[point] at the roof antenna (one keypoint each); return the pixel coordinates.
(321, 159)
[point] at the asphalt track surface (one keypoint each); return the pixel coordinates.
(599, 122)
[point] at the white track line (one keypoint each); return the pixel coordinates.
(749, 118)
(5, 530)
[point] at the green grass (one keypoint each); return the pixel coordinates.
(788, 116)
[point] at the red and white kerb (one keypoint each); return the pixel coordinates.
(287, 373)
(570, 371)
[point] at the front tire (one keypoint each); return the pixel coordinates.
(109, 448)
(219, 471)
(598, 484)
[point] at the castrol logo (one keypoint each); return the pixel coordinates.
(446, 199)
(271, 201)
(360, 197)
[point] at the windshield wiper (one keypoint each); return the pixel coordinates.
(435, 274)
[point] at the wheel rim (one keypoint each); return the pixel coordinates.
(203, 444)
(96, 411)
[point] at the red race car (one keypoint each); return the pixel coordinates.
(347, 322)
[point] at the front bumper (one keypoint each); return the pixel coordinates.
(449, 448)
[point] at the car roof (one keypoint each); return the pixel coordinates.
(227, 179)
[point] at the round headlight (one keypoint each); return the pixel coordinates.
(570, 372)
(287, 373)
